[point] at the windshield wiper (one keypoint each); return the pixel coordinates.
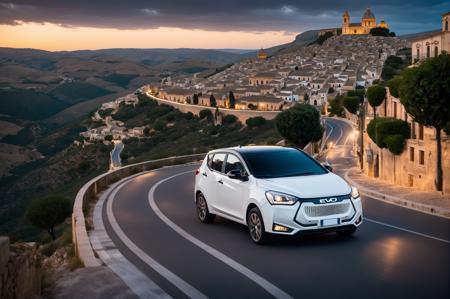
(300, 174)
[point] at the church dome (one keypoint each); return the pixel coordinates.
(368, 14)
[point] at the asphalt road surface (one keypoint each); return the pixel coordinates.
(396, 252)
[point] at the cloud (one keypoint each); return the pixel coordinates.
(231, 15)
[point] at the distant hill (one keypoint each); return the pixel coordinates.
(155, 57)
(36, 84)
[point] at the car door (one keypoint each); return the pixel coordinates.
(212, 176)
(232, 192)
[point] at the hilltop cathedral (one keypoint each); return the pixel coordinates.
(368, 22)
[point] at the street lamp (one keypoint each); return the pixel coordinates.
(361, 117)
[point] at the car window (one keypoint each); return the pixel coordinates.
(281, 163)
(217, 162)
(233, 163)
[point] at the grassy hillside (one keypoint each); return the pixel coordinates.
(29, 104)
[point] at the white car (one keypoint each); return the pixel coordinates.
(275, 190)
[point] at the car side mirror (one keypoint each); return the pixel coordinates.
(328, 166)
(237, 174)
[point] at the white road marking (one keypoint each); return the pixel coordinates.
(269, 287)
(183, 286)
(137, 281)
(406, 230)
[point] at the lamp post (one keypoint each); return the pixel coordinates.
(361, 116)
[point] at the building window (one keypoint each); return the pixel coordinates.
(418, 54)
(428, 51)
(436, 51)
(413, 130)
(420, 132)
(421, 157)
(446, 25)
(395, 109)
(411, 154)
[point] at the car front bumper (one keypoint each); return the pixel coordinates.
(310, 215)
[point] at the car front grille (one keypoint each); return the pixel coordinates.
(327, 210)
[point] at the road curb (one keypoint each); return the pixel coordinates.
(420, 207)
(90, 190)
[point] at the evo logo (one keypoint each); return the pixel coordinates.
(328, 200)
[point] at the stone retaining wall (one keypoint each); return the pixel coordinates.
(89, 191)
(242, 115)
(20, 270)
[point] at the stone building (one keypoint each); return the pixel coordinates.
(368, 21)
(433, 44)
(416, 165)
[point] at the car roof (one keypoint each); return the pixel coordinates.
(254, 148)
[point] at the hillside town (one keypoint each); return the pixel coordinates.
(311, 74)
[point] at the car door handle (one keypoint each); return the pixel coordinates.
(220, 182)
(204, 174)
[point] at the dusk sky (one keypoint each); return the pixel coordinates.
(247, 24)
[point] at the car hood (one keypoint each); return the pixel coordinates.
(310, 186)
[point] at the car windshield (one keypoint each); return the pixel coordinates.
(281, 163)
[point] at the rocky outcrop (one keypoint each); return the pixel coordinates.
(20, 270)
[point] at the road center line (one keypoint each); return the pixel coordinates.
(406, 230)
(183, 286)
(269, 287)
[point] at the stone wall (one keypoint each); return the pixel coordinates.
(242, 115)
(20, 270)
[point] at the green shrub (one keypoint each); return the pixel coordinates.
(229, 119)
(393, 85)
(206, 113)
(395, 143)
(257, 121)
(383, 127)
(48, 249)
(159, 125)
(351, 103)
(335, 106)
(47, 212)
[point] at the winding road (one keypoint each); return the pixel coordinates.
(150, 219)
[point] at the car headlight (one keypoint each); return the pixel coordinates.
(355, 193)
(277, 198)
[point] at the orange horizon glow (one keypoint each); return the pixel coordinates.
(53, 37)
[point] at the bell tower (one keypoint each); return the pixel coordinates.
(345, 22)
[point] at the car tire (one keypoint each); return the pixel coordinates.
(256, 228)
(346, 232)
(203, 213)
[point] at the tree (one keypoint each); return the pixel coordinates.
(254, 122)
(299, 125)
(306, 98)
(351, 103)
(379, 31)
(376, 95)
(109, 137)
(195, 99)
(232, 100)
(393, 85)
(205, 113)
(159, 125)
(336, 106)
(212, 101)
(229, 119)
(48, 212)
(425, 94)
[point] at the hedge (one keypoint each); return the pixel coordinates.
(382, 130)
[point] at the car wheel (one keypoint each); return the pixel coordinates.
(255, 225)
(346, 232)
(203, 213)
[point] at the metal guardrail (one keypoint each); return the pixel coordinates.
(89, 191)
